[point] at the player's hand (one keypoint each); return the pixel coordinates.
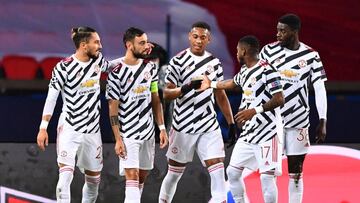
(151, 46)
(205, 84)
(163, 139)
(42, 139)
(321, 131)
(120, 149)
(232, 135)
(244, 115)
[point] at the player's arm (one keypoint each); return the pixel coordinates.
(246, 114)
(224, 105)
(115, 126)
(321, 106)
(222, 85)
(159, 115)
(57, 81)
(50, 103)
(171, 91)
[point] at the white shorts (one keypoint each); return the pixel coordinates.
(296, 141)
(140, 154)
(207, 145)
(265, 156)
(86, 146)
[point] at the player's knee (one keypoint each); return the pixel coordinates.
(295, 163)
(132, 174)
(234, 173)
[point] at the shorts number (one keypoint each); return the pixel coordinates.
(265, 151)
(302, 135)
(99, 150)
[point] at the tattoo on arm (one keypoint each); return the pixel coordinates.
(275, 101)
(114, 120)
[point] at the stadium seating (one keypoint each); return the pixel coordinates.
(47, 65)
(20, 67)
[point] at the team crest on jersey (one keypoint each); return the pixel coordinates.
(129, 80)
(147, 75)
(188, 68)
(278, 60)
(210, 69)
(253, 81)
(97, 68)
(302, 63)
(79, 74)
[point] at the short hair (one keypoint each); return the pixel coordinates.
(201, 24)
(81, 34)
(252, 42)
(292, 20)
(131, 33)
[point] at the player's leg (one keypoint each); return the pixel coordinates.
(268, 186)
(296, 145)
(90, 162)
(210, 149)
(268, 155)
(146, 161)
(91, 186)
(131, 168)
(67, 145)
(242, 157)
(181, 150)
(143, 174)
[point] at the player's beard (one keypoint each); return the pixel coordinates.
(93, 55)
(138, 55)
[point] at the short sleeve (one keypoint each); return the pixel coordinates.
(172, 74)
(317, 72)
(58, 76)
(273, 79)
(113, 84)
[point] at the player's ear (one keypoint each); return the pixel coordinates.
(128, 44)
(189, 36)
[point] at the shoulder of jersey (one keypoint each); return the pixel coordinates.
(116, 68)
(309, 48)
(273, 44)
(263, 63)
(67, 61)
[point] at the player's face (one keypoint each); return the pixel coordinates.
(93, 46)
(140, 46)
(199, 38)
(285, 35)
(240, 53)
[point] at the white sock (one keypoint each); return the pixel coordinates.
(132, 193)
(236, 183)
(168, 186)
(217, 176)
(296, 187)
(90, 189)
(269, 188)
(141, 188)
(66, 174)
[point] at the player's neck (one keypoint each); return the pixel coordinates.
(251, 61)
(129, 59)
(294, 45)
(82, 56)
